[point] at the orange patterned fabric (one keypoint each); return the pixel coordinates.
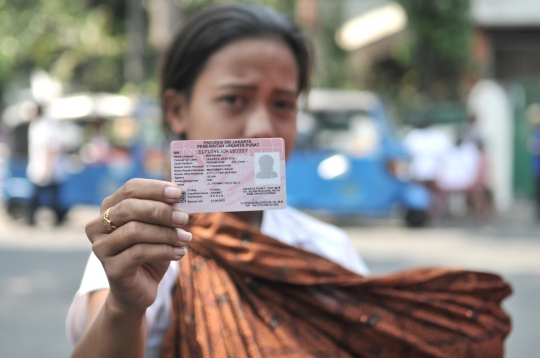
(243, 294)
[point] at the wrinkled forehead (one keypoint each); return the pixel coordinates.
(254, 61)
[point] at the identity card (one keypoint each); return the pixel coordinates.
(229, 174)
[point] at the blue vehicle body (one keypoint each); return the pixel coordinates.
(87, 187)
(367, 188)
(321, 177)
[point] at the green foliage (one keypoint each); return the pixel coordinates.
(74, 42)
(442, 32)
(82, 42)
(283, 6)
(331, 70)
(442, 24)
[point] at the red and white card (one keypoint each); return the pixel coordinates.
(229, 174)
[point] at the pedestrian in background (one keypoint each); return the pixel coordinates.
(46, 164)
(427, 147)
(462, 180)
(479, 194)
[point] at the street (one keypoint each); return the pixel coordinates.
(41, 270)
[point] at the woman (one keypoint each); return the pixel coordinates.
(253, 284)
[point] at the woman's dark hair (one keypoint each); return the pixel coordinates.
(213, 28)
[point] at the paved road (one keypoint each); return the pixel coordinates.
(40, 270)
(36, 289)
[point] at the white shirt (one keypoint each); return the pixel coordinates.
(44, 152)
(289, 226)
(427, 147)
(460, 168)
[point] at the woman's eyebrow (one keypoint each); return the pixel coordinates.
(249, 87)
(237, 86)
(286, 92)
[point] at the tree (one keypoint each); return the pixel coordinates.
(442, 32)
(78, 42)
(88, 44)
(283, 6)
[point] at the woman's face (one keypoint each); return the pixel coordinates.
(247, 89)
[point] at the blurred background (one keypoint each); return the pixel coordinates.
(420, 137)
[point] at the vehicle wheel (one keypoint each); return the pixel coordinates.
(15, 209)
(416, 218)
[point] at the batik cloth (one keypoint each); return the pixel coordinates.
(243, 294)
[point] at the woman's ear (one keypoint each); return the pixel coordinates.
(175, 105)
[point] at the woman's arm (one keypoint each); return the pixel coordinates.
(111, 331)
(96, 300)
(135, 257)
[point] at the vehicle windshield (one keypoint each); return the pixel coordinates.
(352, 132)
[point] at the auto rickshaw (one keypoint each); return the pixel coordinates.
(347, 160)
(107, 139)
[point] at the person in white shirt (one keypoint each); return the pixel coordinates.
(426, 146)
(246, 86)
(46, 167)
(460, 168)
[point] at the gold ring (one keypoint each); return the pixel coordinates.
(107, 222)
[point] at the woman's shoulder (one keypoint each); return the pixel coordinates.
(293, 222)
(301, 230)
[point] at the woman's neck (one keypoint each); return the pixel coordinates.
(252, 218)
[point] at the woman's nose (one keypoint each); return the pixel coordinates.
(260, 124)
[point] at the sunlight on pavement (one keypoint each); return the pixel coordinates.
(71, 235)
(448, 247)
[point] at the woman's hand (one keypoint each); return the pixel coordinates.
(148, 237)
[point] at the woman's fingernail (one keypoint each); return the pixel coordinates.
(172, 192)
(179, 217)
(179, 252)
(184, 235)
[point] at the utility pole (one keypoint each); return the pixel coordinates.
(135, 34)
(164, 20)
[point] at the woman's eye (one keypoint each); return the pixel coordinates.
(285, 105)
(234, 101)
